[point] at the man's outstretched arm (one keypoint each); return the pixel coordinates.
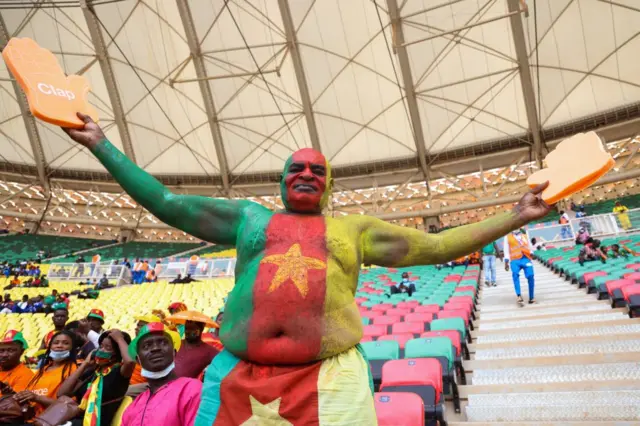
(210, 219)
(385, 244)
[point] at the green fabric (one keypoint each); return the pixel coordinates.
(364, 356)
(489, 249)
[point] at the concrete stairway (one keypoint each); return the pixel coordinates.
(567, 360)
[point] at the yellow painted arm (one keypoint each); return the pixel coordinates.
(385, 244)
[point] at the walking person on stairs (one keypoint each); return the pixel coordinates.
(517, 256)
(489, 254)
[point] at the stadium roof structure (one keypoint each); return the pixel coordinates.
(211, 97)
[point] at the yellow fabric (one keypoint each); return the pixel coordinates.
(623, 217)
(344, 395)
(117, 419)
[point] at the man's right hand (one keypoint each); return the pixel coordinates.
(506, 265)
(89, 136)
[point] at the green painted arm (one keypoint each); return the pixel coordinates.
(210, 219)
(385, 244)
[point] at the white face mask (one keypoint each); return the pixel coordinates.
(59, 355)
(157, 374)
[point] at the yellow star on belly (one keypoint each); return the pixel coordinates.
(266, 414)
(294, 266)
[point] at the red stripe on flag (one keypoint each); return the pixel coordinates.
(251, 390)
(289, 292)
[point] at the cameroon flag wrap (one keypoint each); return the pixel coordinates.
(336, 391)
(315, 376)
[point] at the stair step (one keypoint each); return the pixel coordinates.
(579, 298)
(603, 330)
(596, 318)
(546, 311)
(557, 374)
(555, 406)
(566, 349)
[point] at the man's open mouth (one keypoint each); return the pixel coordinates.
(304, 187)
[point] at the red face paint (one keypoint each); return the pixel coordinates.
(305, 181)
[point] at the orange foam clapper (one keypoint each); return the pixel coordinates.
(576, 163)
(53, 97)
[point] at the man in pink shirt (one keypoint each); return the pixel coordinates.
(170, 400)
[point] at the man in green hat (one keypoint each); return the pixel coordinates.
(12, 372)
(170, 400)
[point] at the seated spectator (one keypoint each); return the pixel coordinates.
(59, 319)
(591, 252)
(107, 371)
(177, 280)
(405, 286)
(582, 237)
(150, 276)
(618, 251)
(95, 321)
(15, 282)
(174, 308)
(188, 279)
(84, 345)
(170, 400)
(138, 384)
(38, 304)
(537, 245)
(14, 373)
(22, 307)
(194, 355)
(86, 282)
(104, 283)
(7, 304)
(89, 294)
(59, 363)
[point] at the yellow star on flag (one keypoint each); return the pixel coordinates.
(266, 414)
(294, 266)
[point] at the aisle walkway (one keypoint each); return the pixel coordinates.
(569, 358)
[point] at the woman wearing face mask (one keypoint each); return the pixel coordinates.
(60, 363)
(107, 372)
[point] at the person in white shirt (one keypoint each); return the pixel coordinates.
(517, 257)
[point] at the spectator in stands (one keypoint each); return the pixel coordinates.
(38, 304)
(138, 384)
(174, 308)
(104, 283)
(44, 281)
(15, 282)
(170, 400)
(126, 263)
(95, 321)
(59, 363)
(177, 280)
(23, 306)
(489, 254)
(84, 345)
(623, 217)
(404, 286)
(194, 355)
(86, 282)
(517, 257)
(14, 373)
(618, 251)
(7, 303)
(583, 236)
(565, 230)
(151, 276)
(89, 293)
(591, 252)
(59, 318)
(537, 245)
(585, 223)
(107, 371)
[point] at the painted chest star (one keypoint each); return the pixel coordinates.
(294, 266)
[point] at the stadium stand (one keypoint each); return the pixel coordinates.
(143, 250)
(14, 248)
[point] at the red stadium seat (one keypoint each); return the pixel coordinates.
(386, 320)
(634, 276)
(584, 281)
(614, 288)
(422, 376)
(461, 299)
(361, 299)
(414, 328)
(630, 290)
(464, 288)
(632, 298)
(371, 314)
(398, 312)
(375, 330)
(453, 278)
(634, 266)
(427, 309)
(399, 408)
(366, 339)
(419, 317)
(408, 304)
(458, 306)
(401, 338)
(382, 307)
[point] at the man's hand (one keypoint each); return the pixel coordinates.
(24, 396)
(532, 206)
(116, 335)
(83, 327)
(89, 136)
(506, 265)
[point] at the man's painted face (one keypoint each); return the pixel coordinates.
(306, 181)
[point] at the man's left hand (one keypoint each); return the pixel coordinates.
(532, 206)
